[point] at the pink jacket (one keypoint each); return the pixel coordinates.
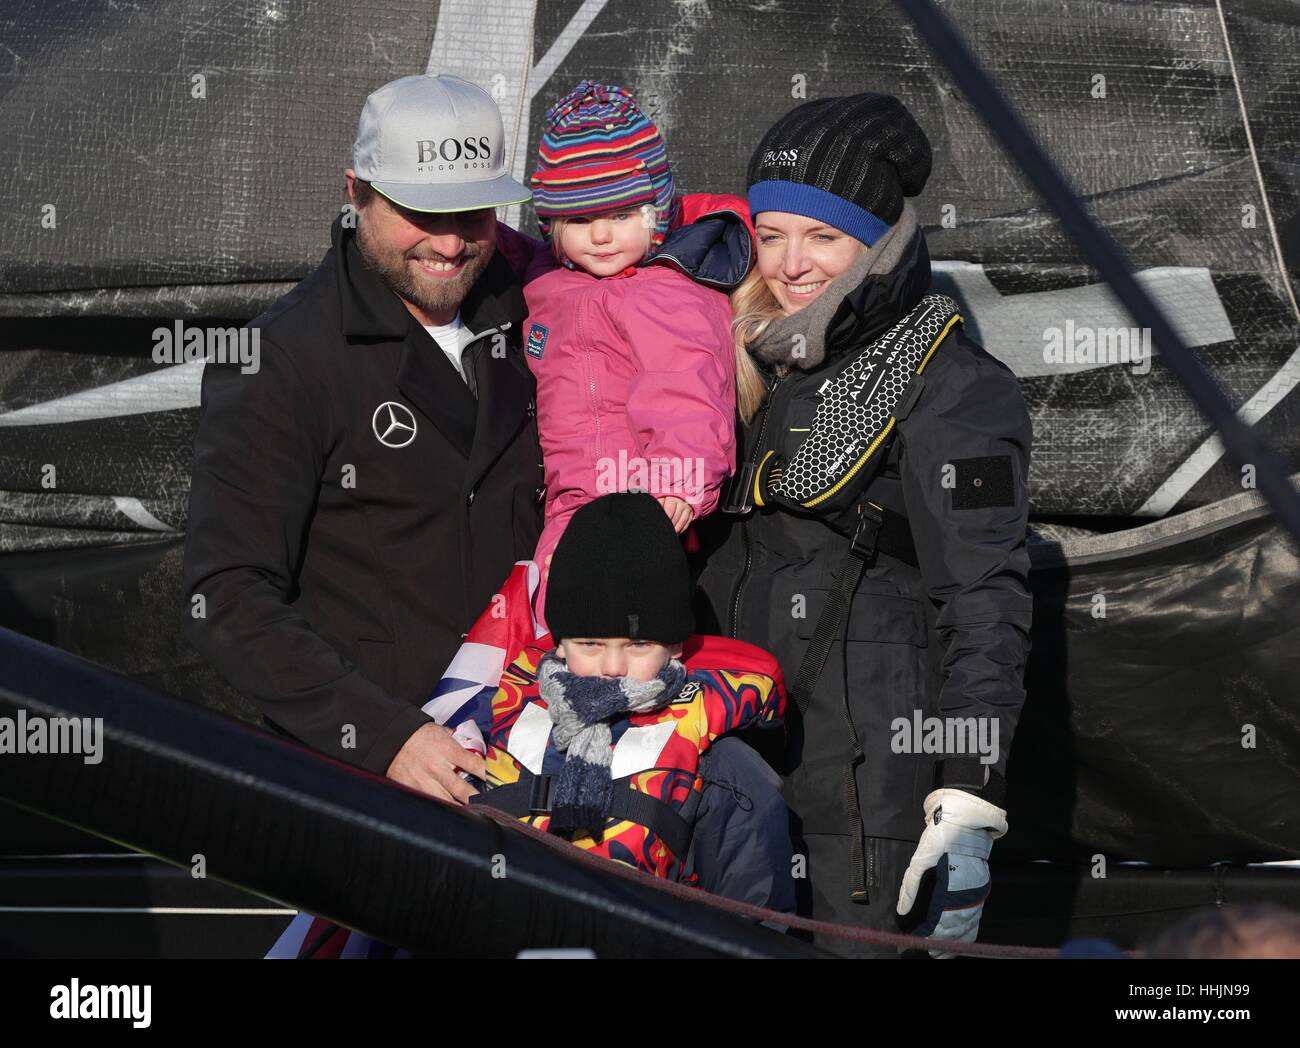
(635, 386)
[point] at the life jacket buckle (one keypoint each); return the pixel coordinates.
(871, 519)
(539, 799)
(739, 498)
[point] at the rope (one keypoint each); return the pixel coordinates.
(1254, 159)
(873, 936)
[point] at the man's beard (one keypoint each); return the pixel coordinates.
(432, 294)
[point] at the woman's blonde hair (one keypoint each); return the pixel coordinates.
(753, 308)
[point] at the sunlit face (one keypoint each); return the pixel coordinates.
(798, 256)
(609, 242)
(616, 656)
(430, 260)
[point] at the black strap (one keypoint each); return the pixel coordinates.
(531, 795)
(878, 529)
(860, 877)
(828, 625)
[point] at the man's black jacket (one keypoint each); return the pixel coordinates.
(353, 507)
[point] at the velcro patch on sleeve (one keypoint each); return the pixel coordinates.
(536, 344)
(982, 483)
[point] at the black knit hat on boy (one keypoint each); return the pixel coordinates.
(620, 571)
(848, 162)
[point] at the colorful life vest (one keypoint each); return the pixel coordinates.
(491, 691)
(656, 753)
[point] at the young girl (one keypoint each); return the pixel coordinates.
(632, 352)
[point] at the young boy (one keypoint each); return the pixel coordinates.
(613, 730)
(610, 731)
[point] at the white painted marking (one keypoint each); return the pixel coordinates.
(490, 43)
(134, 509)
(169, 911)
(563, 44)
(1188, 473)
(1012, 327)
(1200, 461)
(167, 389)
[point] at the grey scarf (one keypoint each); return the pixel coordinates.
(581, 709)
(799, 340)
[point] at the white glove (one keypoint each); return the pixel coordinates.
(960, 829)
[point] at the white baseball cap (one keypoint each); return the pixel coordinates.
(435, 143)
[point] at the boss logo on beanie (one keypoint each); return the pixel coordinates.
(780, 156)
(847, 162)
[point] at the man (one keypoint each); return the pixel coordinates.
(357, 499)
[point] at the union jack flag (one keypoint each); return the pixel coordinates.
(461, 701)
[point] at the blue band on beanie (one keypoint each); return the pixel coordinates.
(798, 198)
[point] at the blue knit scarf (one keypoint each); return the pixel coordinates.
(581, 709)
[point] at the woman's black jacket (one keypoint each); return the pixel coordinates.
(945, 637)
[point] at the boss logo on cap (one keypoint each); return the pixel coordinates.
(451, 150)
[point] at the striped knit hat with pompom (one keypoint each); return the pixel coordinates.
(600, 152)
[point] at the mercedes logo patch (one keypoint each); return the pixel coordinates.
(394, 424)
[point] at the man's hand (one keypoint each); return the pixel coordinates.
(428, 761)
(679, 511)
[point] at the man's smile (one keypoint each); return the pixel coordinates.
(440, 268)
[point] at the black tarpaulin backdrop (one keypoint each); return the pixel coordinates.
(1161, 722)
(169, 206)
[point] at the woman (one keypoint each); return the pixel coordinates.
(878, 546)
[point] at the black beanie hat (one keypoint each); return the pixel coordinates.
(848, 162)
(620, 571)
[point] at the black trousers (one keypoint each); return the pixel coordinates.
(823, 893)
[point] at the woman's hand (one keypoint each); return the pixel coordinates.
(960, 829)
(679, 512)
